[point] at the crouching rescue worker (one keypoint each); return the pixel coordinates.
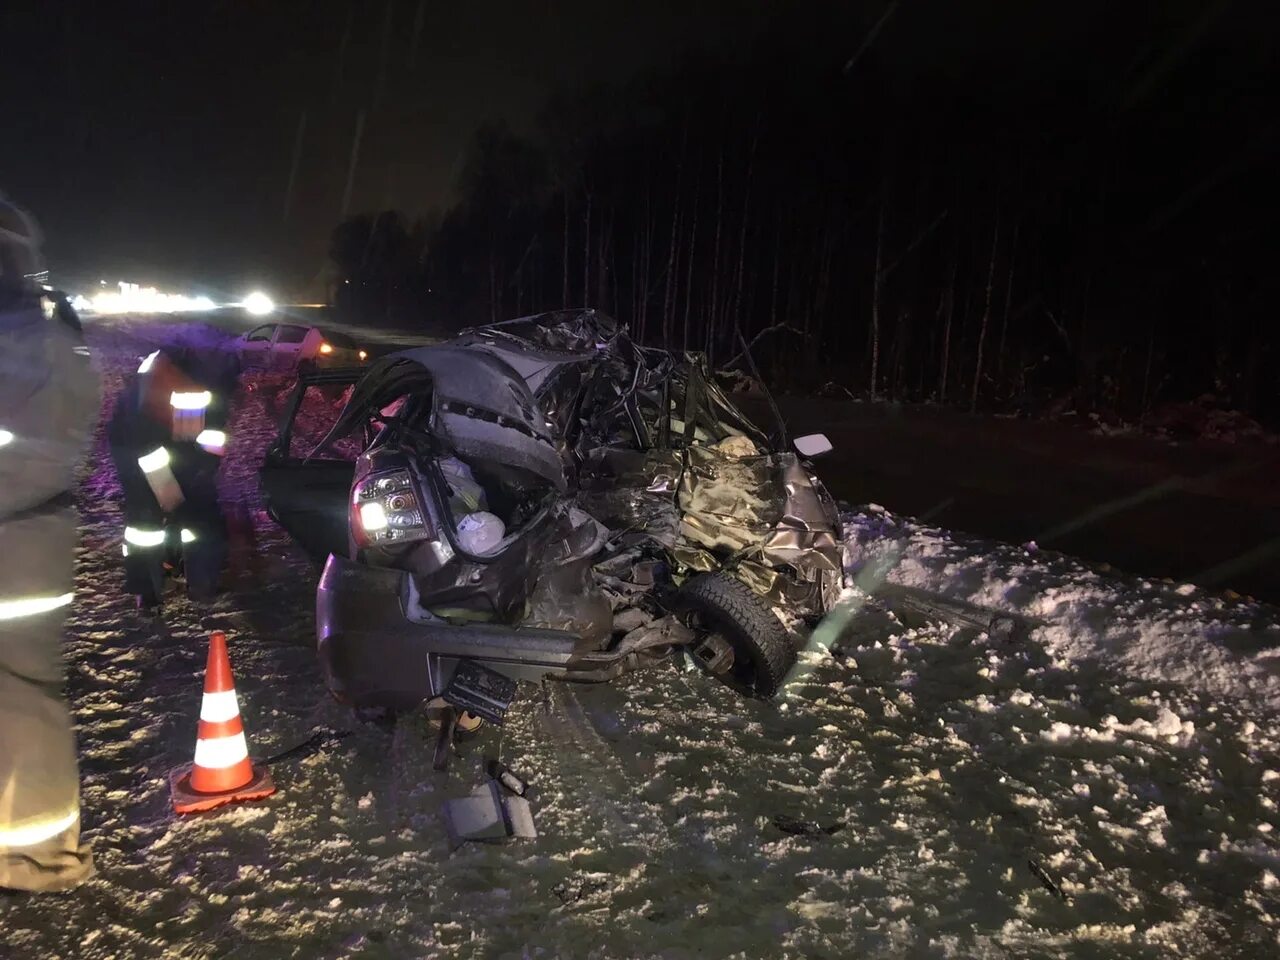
(48, 403)
(167, 436)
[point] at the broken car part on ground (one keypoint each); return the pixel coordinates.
(545, 498)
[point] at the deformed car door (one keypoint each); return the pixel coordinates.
(287, 349)
(305, 494)
(255, 347)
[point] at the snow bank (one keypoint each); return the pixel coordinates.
(1159, 631)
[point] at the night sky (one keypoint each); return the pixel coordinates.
(158, 143)
(155, 141)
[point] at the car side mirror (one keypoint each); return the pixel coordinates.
(812, 445)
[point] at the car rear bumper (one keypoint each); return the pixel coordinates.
(372, 654)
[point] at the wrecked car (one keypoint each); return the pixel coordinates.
(546, 498)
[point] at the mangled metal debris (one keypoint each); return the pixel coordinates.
(490, 814)
(537, 499)
(547, 499)
(504, 775)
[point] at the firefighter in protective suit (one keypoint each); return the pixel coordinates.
(167, 436)
(48, 403)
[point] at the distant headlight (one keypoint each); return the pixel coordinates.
(326, 348)
(258, 304)
(363, 355)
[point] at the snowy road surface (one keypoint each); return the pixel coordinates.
(1108, 789)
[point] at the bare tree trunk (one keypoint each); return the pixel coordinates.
(742, 233)
(875, 300)
(586, 255)
(564, 297)
(777, 255)
(901, 341)
(693, 249)
(1008, 299)
(670, 279)
(949, 300)
(493, 285)
(669, 289)
(603, 245)
(646, 261)
(613, 267)
(986, 317)
(715, 257)
(1146, 372)
(635, 281)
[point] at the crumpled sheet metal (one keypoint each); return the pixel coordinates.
(665, 631)
(565, 597)
(764, 510)
(728, 503)
(635, 491)
(660, 450)
(804, 538)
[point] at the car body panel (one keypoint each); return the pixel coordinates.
(604, 440)
(287, 347)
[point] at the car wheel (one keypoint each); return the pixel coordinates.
(744, 645)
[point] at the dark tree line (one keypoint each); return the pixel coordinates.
(1093, 241)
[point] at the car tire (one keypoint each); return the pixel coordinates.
(762, 651)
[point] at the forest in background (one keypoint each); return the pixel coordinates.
(1088, 235)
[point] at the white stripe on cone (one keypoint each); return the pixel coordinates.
(219, 753)
(219, 707)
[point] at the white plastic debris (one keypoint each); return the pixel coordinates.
(480, 532)
(462, 482)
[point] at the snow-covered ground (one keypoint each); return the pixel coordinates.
(1107, 789)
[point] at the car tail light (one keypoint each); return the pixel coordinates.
(326, 348)
(385, 509)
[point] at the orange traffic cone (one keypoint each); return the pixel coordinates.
(222, 772)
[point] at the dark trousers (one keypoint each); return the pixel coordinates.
(195, 533)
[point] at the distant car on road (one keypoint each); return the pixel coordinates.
(288, 347)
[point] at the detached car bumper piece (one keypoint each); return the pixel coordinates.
(374, 655)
